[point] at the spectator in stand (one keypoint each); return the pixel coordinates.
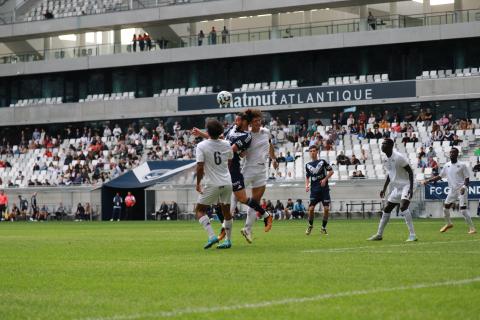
(224, 34)
(456, 141)
(281, 158)
(360, 174)
(434, 165)
(370, 134)
(213, 36)
(173, 211)
(405, 139)
(421, 163)
(421, 116)
(134, 43)
(354, 161)
(289, 209)
(431, 153)
(342, 159)
(148, 41)
(279, 210)
(270, 208)
(3, 202)
(377, 134)
(80, 213)
(289, 176)
(362, 118)
(88, 211)
(414, 138)
(200, 37)
(162, 212)
(444, 120)
(350, 120)
(272, 177)
(364, 156)
(48, 15)
(428, 117)
(397, 127)
(372, 119)
(476, 168)
(298, 209)
(43, 214)
(141, 42)
(421, 153)
(371, 21)
(117, 207)
(60, 212)
(384, 124)
(289, 158)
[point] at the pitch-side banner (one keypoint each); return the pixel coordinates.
(304, 95)
(439, 191)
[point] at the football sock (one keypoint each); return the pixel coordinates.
(251, 218)
(255, 205)
(324, 223)
(409, 221)
(383, 223)
(228, 229)
(446, 214)
(467, 217)
(233, 204)
(205, 222)
(265, 215)
(220, 216)
(310, 221)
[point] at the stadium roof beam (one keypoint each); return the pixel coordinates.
(168, 15)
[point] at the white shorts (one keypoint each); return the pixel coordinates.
(454, 195)
(399, 193)
(255, 179)
(215, 194)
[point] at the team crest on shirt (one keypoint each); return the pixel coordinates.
(317, 168)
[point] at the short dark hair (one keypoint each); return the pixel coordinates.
(252, 114)
(313, 146)
(214, 128)
(458, 151)
(388, 141)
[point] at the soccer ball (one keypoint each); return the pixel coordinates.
(224, 98)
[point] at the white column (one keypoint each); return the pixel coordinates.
(363, 13)
(426, 6)
(47, 45)
(193, 33)
(117, 40)
(275, 22)
(458, 7)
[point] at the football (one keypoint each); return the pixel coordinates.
(224, 98)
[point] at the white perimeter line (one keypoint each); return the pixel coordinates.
(266, 304)
(387, 246)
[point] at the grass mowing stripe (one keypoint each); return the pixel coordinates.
(266, 304)
(387, 246)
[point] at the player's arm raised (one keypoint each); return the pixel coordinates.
(410, 179)
(199, 133)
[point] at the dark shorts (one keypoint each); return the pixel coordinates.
(237, 180)
(321, 195)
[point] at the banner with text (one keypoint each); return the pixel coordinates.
(304, 95)
(439, 191)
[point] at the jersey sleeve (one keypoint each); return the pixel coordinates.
(402, 160)
(243, 142)
(200, 154)
(443, 172)
(327, 166)
(229, 152)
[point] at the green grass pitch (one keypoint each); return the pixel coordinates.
(156, 270)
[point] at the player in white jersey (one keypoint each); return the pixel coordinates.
(458, 177)
(255, 172)
(400, 178)
(214, 157)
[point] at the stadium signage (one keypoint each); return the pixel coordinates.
(307, 95)
(439, 191)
